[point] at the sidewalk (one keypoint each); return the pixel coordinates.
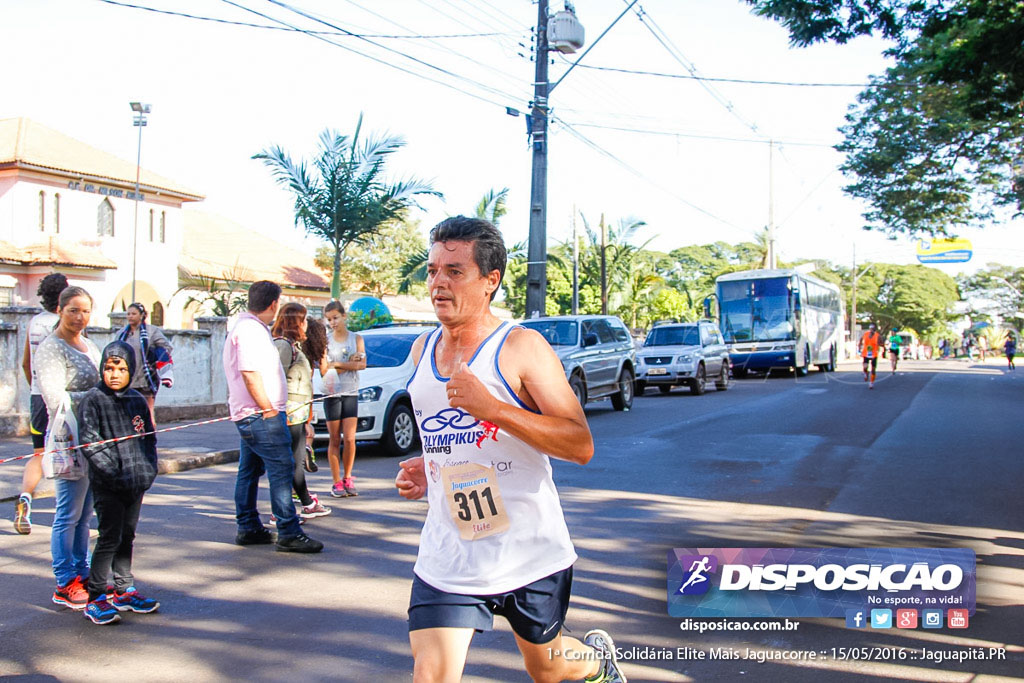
(181, 450)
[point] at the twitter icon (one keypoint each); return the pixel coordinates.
(881, 618)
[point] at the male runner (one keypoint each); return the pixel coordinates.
(869, 345)
(492, 404)
(894, 348)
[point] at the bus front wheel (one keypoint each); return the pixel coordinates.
(802, 370)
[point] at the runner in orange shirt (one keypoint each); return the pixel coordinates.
(869, 348)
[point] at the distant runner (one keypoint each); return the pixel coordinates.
(1010, 348)
(894, 348)
(492, 404)
(869, 349)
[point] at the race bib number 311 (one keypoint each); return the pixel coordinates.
(474, 501)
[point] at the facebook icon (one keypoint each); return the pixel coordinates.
(856, 618)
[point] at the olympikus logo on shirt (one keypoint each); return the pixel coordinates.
(467, 429)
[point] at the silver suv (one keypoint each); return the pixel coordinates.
(683, 353)
(597, 355)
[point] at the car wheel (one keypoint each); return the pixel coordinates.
(723, 380)
(805, 368)
(624, 399)
(400, 435)
(665, 388)
(700, 382)
(641, 387)
(579, 388)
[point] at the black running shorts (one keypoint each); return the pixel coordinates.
(536, 612)
(873, 361)
(341, 407)
(38, 420)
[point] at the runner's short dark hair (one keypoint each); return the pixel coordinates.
(262, 295)
(489, 251)
(49, 290)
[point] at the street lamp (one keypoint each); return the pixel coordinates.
(140, 110)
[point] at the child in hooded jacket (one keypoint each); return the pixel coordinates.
(120, 473)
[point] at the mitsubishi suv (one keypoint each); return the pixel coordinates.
(597, 355)
(683, 354)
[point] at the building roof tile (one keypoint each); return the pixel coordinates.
(27, 144)
(57, 252)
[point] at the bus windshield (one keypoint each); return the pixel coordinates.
(756, 310)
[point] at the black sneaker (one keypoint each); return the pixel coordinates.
(300, 543)
(261, 536)
(309, 464)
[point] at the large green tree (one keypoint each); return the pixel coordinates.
(914, 296)
(996, 290)
(935, 143)
(346, 197)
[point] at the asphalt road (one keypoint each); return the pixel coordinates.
(928, 458)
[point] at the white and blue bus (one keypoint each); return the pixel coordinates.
(780, 318)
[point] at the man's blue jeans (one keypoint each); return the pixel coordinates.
(69, 538)
(266, 447)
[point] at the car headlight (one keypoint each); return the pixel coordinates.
(684, 359)
(370, 394)
(788, 346)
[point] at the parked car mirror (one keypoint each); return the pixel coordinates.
(589, 339)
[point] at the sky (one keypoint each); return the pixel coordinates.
(688, 157)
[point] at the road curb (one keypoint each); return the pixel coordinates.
(171, 461)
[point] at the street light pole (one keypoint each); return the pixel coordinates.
(140, 110)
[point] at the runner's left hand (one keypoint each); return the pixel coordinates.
(466, 391)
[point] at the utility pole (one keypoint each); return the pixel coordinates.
(575, 266)
(604, 268)
(536, 267)
(853, 301)
(772, 263)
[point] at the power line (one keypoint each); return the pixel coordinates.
(744, 81)
(246, 24)
(383, 61)
(601, 150)
(760, 141)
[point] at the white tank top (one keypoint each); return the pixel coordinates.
(336, 381)
(39, 328)
(536, 543)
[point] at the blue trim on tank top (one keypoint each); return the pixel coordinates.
(433, 359)
(426, 346)
(497, 371)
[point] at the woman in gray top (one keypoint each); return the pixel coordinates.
(346, 356)
(289, 331)
(67, 365)
(152, 354)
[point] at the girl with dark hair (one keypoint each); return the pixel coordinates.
(39, 328)
(67, 365)
(315, 348)
(152, 355)
(289, 331)
(346, 356)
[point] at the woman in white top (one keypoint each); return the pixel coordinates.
(346, 356)
(67, 365)
(39, 328)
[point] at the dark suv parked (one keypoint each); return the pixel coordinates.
(597, 354)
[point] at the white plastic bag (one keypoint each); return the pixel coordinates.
(61, 435)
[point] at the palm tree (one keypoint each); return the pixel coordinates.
(492, 206)
(348, 196)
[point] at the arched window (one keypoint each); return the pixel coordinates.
(42, 211)
(105, 219)
(56, 212)
(151, 225)
(156, 316)
(163, 226)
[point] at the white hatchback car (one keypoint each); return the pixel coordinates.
(385, 410)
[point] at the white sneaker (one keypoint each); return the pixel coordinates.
(314, 509)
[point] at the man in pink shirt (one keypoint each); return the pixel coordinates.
(257, 391)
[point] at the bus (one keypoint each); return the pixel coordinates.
(780, 318)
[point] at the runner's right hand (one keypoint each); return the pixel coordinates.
(411, 481)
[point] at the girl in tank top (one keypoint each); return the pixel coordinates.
(346, 356)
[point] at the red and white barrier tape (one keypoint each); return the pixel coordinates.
(165, 429)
